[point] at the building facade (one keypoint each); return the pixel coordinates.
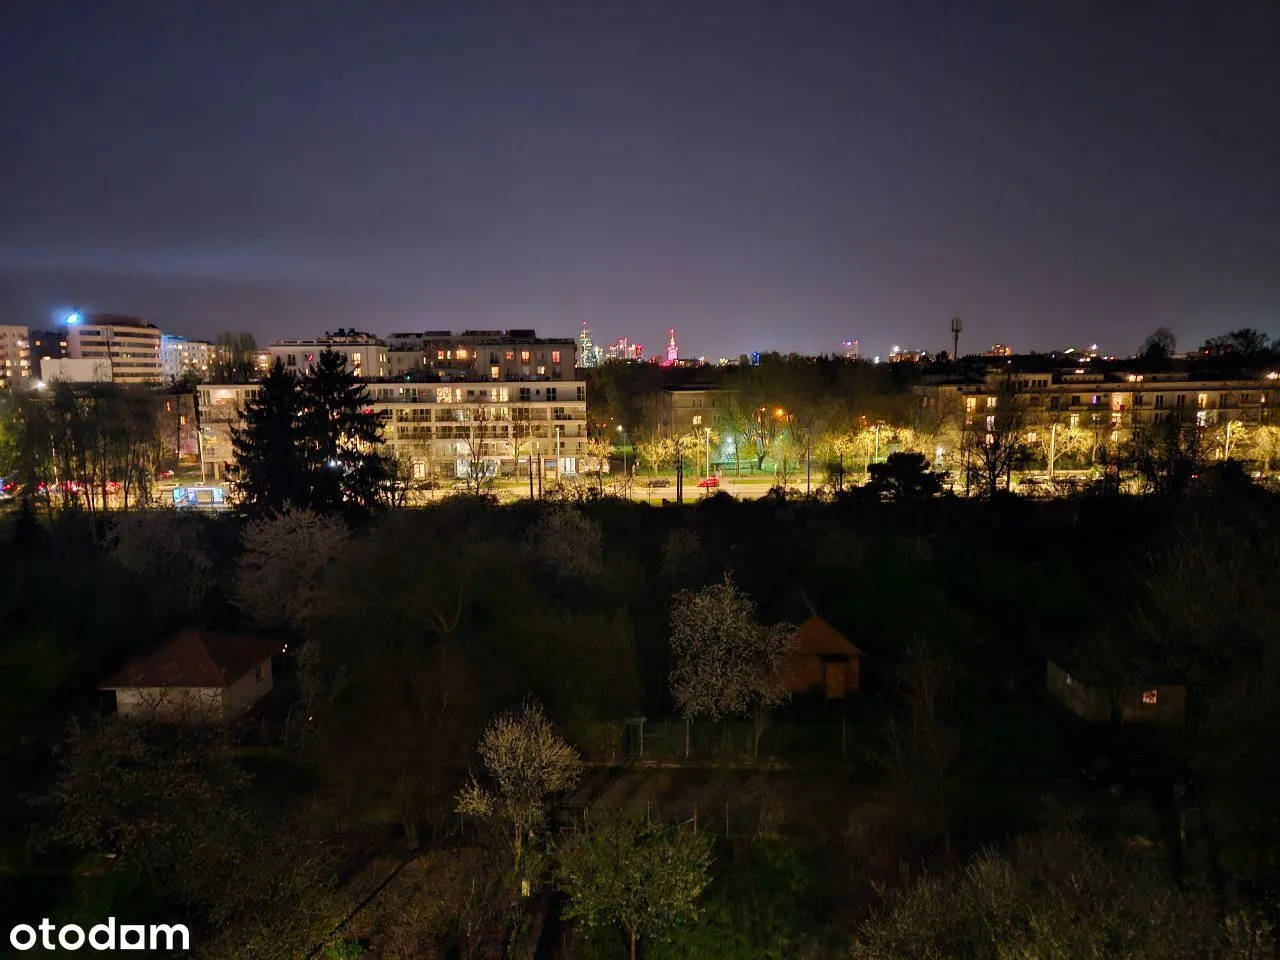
(1113, 407)
(180, 357)
(15, 356)
(365, 354)
(131, 346)
(695, 407)
(480, 355)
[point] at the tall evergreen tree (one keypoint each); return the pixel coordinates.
(340, 437)
(273, 469)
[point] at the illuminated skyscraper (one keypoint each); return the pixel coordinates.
(850, 348)
(673, 351)
(589, 354)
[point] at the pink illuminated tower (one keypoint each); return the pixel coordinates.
(673, 351)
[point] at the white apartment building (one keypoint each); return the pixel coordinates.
(443, 429)
(131, 346)
(365, 354)
(15, 355)
(180, 357)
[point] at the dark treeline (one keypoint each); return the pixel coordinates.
(410, 631)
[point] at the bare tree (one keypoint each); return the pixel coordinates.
(526, 762)
(480, 436)
(723, 661)
(995, 435)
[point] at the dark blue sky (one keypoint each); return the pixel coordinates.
(760, 175)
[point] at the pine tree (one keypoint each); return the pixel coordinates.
(273, 469)
(340, 438)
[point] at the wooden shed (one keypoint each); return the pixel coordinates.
(823, 661)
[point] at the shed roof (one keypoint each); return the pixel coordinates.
(816, 636)
(196, 658)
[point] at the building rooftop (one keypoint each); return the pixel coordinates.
(196, 658)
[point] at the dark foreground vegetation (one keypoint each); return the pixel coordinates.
(433, 774)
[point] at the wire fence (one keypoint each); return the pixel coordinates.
(724, 741)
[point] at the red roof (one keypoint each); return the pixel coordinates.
(818, 637)
(196, 658)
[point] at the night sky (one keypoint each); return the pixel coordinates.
(759, 175)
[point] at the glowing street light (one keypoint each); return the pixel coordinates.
(73, 319)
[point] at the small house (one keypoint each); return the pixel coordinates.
(823, 661)
(1094, 699)
(197, 676)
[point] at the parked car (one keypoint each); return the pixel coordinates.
(165, 474)
(709, 482)
(659, 482)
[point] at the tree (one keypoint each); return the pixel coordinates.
(164, 801)
(313, 442)
(566, 542)
(1245, 344)
(655, 451)
(596, 455)
(1057, 895)
(723, 661)
(340, 436)
(644, 877)
(905, 476)
(1160, 344)
(526, 763)
(994, 442)
(1167, 454)
(277, 581)
(764, 426)
(167, 551)
(272, 467)
(235, 358)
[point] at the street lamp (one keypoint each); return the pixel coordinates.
(623, 434)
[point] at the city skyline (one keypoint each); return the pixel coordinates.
(758, 179)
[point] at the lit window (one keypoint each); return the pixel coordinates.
(991, 424)
(991, 403)
(1031, 436)
(555, 356)
(542, 370)
(504, 394)
(970, 403)
(524, 356)
(462, 353)
(419, 470)
(443, 394)
(1202, 400)
(494, 373)
(1075, 421)
(1151, 697)
(511, 354)
(697, 420)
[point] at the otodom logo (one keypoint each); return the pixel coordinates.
(101, 936)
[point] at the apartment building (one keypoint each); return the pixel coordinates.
(15, 356)
(131, 347)
(1112, 405)
(694, 407)
(365, 354)
(180, 357)
(480, 355)
(442, 430)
